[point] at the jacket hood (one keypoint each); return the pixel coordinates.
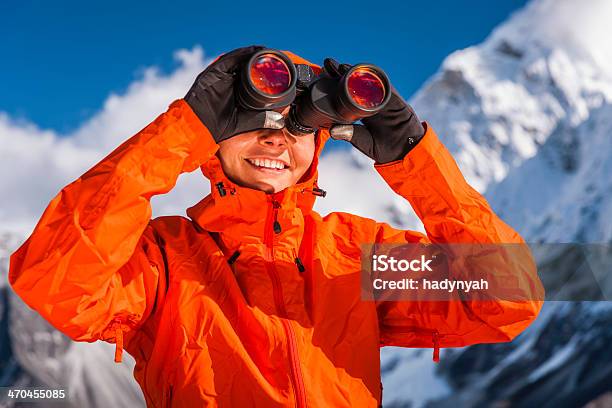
(230, 203)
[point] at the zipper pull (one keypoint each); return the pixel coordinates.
(319, 192)
(221, 189)
(277, 227)
(436, 347)
(316, 191)
(299, 264)
(233, 258)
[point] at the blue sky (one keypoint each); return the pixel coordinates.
(60, 62)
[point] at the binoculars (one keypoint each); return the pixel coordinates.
(270, 80)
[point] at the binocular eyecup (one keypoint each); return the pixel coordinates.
(270, 81)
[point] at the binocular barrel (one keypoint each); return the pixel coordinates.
(267, 81)
(270, 81)
(364, 88)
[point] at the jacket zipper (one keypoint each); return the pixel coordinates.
(435, 337)
(233, 258)
(273, 227)
(277, 290)
(296, 371)
(276, 227)
(169, 396)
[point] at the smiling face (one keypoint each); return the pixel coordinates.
(265, 159)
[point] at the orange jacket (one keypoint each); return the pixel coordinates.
(254, 300)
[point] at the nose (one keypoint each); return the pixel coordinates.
(273, 138)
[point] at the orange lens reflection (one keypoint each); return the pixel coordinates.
(270, 74)
(366, 88)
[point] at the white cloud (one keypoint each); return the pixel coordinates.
(354, 186)
(124, 115)
(35, 164)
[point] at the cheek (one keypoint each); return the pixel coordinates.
(232, 146)
(304, 154)
(229, 154)
(236, 145)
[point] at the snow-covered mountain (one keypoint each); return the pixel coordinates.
(541, 73)
(565, 190)
(528, 116)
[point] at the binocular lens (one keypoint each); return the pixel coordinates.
(270, 74)
(366, 88)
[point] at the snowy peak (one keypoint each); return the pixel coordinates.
(581, 28)
(563, 193)
(495, 104)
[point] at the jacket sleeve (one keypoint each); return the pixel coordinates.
(453, 212)
(92, 266)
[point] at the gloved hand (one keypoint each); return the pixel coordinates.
(387, 136)
(213, 99)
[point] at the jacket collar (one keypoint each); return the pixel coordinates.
(238, 212)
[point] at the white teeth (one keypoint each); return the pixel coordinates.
(267, 163)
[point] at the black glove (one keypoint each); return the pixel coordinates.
(387, 136)
(213, 99)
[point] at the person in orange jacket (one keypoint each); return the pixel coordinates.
(255, 299)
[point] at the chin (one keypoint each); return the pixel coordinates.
(268, 187)
(272, 188)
